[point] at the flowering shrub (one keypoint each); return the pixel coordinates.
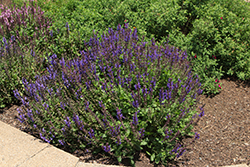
(121, 96)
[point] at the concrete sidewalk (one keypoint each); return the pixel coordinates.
(19, 149)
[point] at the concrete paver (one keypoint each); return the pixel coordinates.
(52, 157)
(240, 165)
(17, 146)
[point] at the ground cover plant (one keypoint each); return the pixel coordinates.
(120, 96)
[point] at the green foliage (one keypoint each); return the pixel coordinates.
(215, 29)
(191, 25)
(225, 35)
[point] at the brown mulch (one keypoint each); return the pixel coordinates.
(224, 131)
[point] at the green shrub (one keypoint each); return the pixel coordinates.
(217, 33)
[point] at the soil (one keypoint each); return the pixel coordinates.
(224, 131)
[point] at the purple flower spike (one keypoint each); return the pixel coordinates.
(12, 38)
(200, 91)
(62, 105)
(135, 119)
(76, 119)
(118, 142)
(4, 40)
(46, 106)
(136, 103)
(119, 114)
(126, 25)
(21, 118)
(142, 131)
(197, 136)
(106, 148)
(144, 91)
(67, 122)
(16, 94)
(32, 53)
(100, 104)
(61, 142)
(91, 133)
(202, 113)
(176, 149)
(67, 26)
(41, 136)
(181, 152)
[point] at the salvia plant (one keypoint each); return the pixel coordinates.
(150, 19)
(7, 48)
(31, 28)
(119, 97)
(28, 24)
(14, 65)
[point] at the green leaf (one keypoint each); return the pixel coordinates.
(157, 160)
(148, 153)
(132, 162)
(143, 143)
(119, 159)
(104, 135)
(127, 132)
(152, 157)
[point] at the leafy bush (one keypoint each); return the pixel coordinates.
(225, 35)
(217, 34)
(121, 96)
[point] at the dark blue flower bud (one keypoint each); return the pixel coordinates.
(61, 142)
(67, 121)
(51, 33)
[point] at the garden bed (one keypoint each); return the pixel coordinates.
(224, 131)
